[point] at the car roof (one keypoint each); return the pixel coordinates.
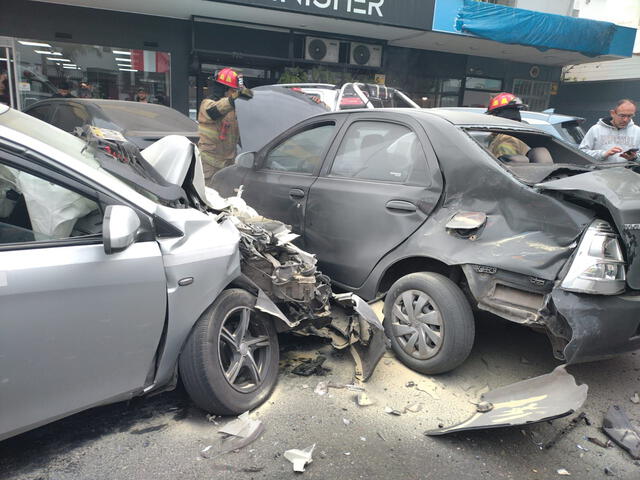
(547, 116)
(460, 118)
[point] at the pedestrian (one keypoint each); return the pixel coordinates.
(64, 91)
(615, 138)
(141, 96)
(506, 105)
(218, 124)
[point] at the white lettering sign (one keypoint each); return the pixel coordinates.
(371, 8)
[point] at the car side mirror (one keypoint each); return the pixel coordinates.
(119, 228)
(246, 160)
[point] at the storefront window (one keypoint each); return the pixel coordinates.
(478, 91)
(47, 69)
(437, 92)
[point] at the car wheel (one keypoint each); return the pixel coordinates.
(429, 322)
(230, 362)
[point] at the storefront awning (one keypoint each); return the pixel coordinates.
(540, 30)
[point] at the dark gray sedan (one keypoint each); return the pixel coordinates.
(412, 204)
(140, 123)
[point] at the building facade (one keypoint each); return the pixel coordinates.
(167, 49)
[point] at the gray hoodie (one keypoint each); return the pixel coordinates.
(604, 136)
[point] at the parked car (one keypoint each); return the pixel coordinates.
(353, 95)
(140, 123)
(409, 204)
(564, 127)
(117, 274)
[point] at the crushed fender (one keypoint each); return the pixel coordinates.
(617, 425)
(538, 399)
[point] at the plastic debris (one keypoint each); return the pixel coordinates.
(410, 384)
(635, 398)
(321, 389)
(580, 447)
(484, 407)
(346, 421)
(413, 408)
(363, 400)
(212, 419)
(311, 366)
(562, 471)
(391, 411)
(347, 453)
(204, 452)
(300, 458)
(240, 432)
(616, 424)
(608, 471)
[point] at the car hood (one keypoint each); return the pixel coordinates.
(270, 112)
(618, 190)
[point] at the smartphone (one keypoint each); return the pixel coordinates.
(631, 151)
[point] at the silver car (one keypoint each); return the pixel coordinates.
(114, 276)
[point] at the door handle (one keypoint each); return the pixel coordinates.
(401, 205)
(296, 193)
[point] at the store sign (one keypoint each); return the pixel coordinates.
(402, 13)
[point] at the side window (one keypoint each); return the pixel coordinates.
(301, 153)
(68, 117)
(41, 113)
(33, 209)
(380, 151)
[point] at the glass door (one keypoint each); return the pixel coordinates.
(7, 74)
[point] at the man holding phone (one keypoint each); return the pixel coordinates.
(615, 138)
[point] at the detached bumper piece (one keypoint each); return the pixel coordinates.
(538, 399)
(616, 424)
(601, 325)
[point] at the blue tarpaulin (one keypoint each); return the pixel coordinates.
(541, 30)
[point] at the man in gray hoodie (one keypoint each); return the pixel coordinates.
(614, 138)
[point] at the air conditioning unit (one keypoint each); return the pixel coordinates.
(366, 55)
(321, 49)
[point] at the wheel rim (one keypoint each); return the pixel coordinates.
(417, 324)
(244, 349)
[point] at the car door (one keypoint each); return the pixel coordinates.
(78, 327)
(381, 185)
(285, 169)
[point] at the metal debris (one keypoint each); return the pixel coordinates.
(538, 399)
(410, 384)
(582, 417)
(300, 458)
(599, 442)
(616, 424)
(609, 472)
(484, 407)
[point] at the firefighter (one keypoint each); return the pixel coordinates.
(218, 125)
(506, 105)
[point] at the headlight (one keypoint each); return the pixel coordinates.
(598, 266)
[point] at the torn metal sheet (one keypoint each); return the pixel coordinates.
(538, 399)
(300, 458)
(617, 425)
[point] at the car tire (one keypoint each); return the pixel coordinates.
(229, 363)
(436, 334)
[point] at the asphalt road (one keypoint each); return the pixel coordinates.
(162, 437)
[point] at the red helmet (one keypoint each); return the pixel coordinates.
(228, 77)
(505, 100)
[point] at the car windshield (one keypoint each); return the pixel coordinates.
(147, 117)
(64, 142)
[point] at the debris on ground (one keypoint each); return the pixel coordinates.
(410, 384)
(617, 425)
(238, 434)
(392, 411)
(300, 458)
(346, 421)
(363, 400)
(580, 447)
(311, 366)
(582, 417)
(599, 442)
(413, 408)
(635, 398)
(321, 389)
(382, 437)
(538, 399)
(562, 471)
(212, 419)
(609, 472)
(484, 407)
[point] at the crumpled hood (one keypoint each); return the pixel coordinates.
(618, 190)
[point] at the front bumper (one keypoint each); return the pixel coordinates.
(601, 326)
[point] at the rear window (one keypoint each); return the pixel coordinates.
(147, 117)
(571, 131)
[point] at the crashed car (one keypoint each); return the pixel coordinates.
(117, 274)
(410, 204)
